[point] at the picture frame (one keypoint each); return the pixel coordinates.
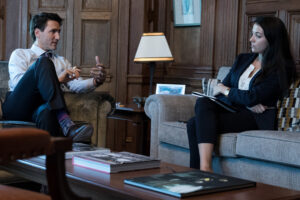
(170, 89)
(187, 12)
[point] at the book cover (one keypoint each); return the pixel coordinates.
(81, 149)
(189, 183)
(113, 162)
(217, 101)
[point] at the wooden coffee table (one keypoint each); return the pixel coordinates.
(110, 186)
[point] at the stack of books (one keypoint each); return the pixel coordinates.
(81, 149)
(113, 162)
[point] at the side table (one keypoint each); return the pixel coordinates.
(130, 131)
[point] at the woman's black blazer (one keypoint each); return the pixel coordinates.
(265, 92)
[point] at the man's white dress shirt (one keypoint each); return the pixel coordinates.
(21, 59)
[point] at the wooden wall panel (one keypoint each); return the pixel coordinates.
(2, 29)
(57, 4)
(138, 24)
(192, 47)
(96, 33)
(99, 5)
(226, 33)
(123, 53)
(13, 26)
(294, 29)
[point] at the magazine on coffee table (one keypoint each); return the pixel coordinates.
(217, 101)
(81, 149)
(113, 162)
(70, 154)
(184, 184)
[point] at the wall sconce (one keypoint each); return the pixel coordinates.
(153, 47)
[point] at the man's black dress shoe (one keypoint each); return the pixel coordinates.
(81, 132)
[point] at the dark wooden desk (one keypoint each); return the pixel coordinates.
(133, 138)
(110, 186)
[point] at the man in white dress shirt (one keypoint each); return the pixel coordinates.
(37, 76)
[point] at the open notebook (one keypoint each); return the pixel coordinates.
(217, 101)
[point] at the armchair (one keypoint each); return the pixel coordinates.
(21, 143)
(91, 107)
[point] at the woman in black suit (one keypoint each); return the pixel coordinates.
(254, 84)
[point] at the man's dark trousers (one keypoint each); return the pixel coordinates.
(36, 97)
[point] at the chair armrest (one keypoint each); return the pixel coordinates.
(170, 107)
(91, 107)
(160, 108)
(19, 143)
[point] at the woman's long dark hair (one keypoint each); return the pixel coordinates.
(277, 55)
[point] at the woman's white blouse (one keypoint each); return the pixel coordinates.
(244, 80)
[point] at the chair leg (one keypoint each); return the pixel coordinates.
(57, 182)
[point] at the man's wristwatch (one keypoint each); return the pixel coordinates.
(226, 92)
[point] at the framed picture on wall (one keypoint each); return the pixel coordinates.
(187, 12)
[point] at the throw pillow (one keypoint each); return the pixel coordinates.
(289, 109)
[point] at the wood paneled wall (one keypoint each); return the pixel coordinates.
(2, 28)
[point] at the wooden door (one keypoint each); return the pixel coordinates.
(95, 33)
(2, 29)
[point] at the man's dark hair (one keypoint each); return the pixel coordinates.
(40, 20)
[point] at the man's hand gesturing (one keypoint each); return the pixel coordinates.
(98, 73)
(69, 74)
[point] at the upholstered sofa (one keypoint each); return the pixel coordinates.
(271, 157)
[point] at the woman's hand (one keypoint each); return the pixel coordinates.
(69, 74)
(220, 89)
(259, 108)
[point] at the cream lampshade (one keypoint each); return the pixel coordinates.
(153, 47)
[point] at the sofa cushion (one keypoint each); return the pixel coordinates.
(174, 133)
(274, 146)
(289, 109)
(227, 145)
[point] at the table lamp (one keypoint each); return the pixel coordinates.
(153, 47)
